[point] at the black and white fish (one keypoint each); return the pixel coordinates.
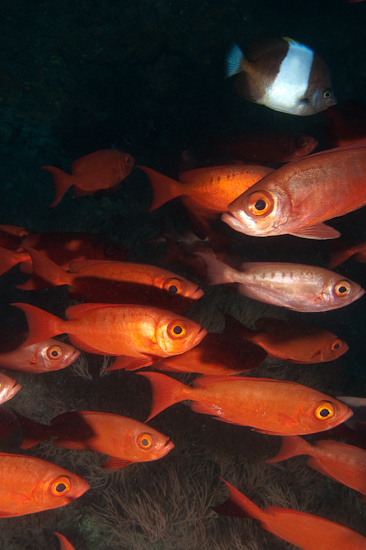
(282, 74)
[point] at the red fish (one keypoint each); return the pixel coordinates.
(103, 169)
(339, 461)
(8, 387)
(269, 406)
(214, 187)
(294, 286)
(268, 146)
(138, 333)
(119, 282)
(294, 342)
(305, 531)
(124, 439)
(298, 197)
(32, 485)
(64, 543)
(48, 355)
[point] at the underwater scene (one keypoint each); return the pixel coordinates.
(182, 275)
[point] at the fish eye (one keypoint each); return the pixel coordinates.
(327, 94)
(342, 288)
(324, 411)
(144, 441)
(177, 329)
(336, 345)
(128, 159)
(259, 203)
(302, 141)
(173, 286)
(60, 486)
(54, 352)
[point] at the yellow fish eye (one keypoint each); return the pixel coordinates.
(324, 411)
(54, 352)
(173, 286)
(327, 94)
(342, 288)
(336, 345)
(144, 441)
(177, 329)
(260, 203)
(60, 486)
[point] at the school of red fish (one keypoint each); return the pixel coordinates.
(134, 313)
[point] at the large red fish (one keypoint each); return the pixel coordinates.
(8, 387)
(294, 286)
(103, 169)
(305, 531)
(124, 439)
(138, 333)
(32, 485)
(118, 282)
(269, 406)
(294, 342)
(339, 461)
(297, 198)
(48, 355)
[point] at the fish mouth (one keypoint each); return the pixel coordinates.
(75, 354)
(13, 390)
(198, 293)
(83, 489)
(167, 447)
(233, 221)
(201, 334)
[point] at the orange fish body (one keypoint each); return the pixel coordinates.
(214, 187)
(294, 342)
(139, 332)
(8, 387)
(32, 485)
(103, 169)
(216, 354)
(294, 286)
(64, 543)
(48, 355)
(298, 197)
(269, 406)
(119, 282)
(339, 461)
(305, 531)
(124, 439)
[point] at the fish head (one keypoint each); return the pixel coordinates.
(303, 145)
(179, 286)
(58, 487)
(127, 163)
(148, 444)
(332, 348)
(261, 211)
(53, 355)
(8, 387)
(322, 412)
(175, 334)
(339, 292)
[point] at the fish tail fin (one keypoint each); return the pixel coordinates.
(33, 432)
(217, 272)
(234, 60)
(292, 445)
(8, 259)
(47, 269)
(41, 324)
(166, 391)
(238, 505)
(164, 189)
(62, 183)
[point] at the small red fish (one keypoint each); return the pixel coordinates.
(294, 286)
(339, 461)
(8, 387)
(305, 531)
(32, 485)
(64, 543)
(126, 440)
(103, 169)
(48, 355)
(294, 342)
(269, 406)
(138, 333)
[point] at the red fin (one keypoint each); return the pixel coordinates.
(291, 446)
(62, 182)
(165, 189)
(166, 391)
(130, 363)
(8, 259)
(320, 231)
(47, 269)
(41, 324)
(113, 463)
(64, 543)
(80, 344)
(33, 432)
(239, 505)
(73, 312)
